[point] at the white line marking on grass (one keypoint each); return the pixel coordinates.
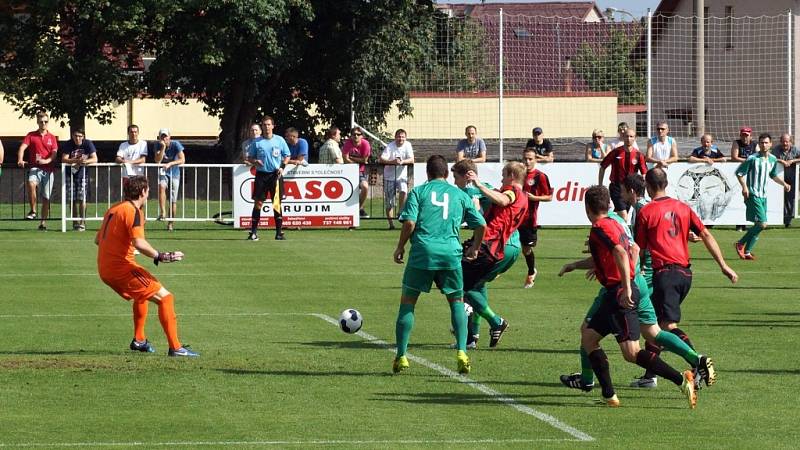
(274, 443)
(495, 395)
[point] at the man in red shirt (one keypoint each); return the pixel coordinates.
(613, 263)
(357, 150)
(663, 227)
(43, 147)
(537, 189)
(624, 160)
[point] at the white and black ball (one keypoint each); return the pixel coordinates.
(350, 321)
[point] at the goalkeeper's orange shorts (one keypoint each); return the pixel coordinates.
(134, 284)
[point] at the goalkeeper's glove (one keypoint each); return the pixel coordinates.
(167, 257)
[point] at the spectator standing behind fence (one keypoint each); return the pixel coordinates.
(131, 154)
(43, 147)
(253, 132)
(707, 152)
(329, 152)
(395, 157)
(170, 155)
(78, 152)
(597, 149)
(542, 146)
(357, 150)
(472, 147)
(620, 140)
(662, 149)
(744, 146)
(2, 156)
(624, 161)
(788, 155)
(298, 147)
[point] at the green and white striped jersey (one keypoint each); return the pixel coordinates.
(757, 171)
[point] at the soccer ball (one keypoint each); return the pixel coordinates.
(350, 321)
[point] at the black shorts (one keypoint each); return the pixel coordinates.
(610, 318)
(528, 235)
(267, 182)
(671, 285)
(477, 270)
(615, 190)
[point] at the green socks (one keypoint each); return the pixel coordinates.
(674, 344)
(458, 318)
(751, 237)
(480, 305)
(403, 326)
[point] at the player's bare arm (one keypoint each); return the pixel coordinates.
(21, 154)
(496, 197)
(745, 192)
(405, 234)
(477, 238)
(586, 263)
(716, 253)
(623, 265)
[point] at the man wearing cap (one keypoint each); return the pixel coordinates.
(542, 146)
(744, 146)
(170, 155)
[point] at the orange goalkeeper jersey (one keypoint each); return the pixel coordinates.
(121, 224)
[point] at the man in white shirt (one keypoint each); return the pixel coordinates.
(132, 154)
(395, 157)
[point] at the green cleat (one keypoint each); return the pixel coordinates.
(687, 388)
(463, 362)
(399, 364)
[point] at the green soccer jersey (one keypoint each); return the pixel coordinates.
(644, 255)
(438, 209)
(757, 170)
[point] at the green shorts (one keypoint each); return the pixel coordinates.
(756, 209)
(646, 312)
(450, 282)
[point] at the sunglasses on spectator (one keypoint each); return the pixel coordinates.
(597, 137)
(356, 134)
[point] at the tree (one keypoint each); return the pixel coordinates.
(613, 67)
(75, 59)
(299, 60)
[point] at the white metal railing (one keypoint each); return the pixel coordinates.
(201, 187)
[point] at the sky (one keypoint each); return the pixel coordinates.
(636, 7)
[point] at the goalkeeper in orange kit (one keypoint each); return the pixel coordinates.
(122, 231)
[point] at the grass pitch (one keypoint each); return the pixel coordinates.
(275, 373)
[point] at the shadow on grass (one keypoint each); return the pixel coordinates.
(451, 398)
(303, 373)
(750, 288)
(766, 314)
(339, 344)
(766, 371)
(746, 323)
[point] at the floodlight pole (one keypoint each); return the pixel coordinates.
(649, 72)
(699, 66)
(500, 118)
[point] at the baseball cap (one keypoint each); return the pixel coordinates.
(537, 130)
(747, 130)
(163, 131)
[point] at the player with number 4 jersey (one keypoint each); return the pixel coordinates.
(121, 232)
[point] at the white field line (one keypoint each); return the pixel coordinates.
(493, 394)
(278, 443)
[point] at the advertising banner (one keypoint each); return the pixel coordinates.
(317, 195)
(713, 192)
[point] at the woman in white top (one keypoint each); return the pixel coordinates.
(597, 149)
(662, 150)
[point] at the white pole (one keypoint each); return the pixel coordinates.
(700, 67)
(649, 72)
(352, 110)
(789, 80)
(500, 117)
(64, 198)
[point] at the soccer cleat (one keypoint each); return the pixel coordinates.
(31, 215)
(706, 371)
(252, 236)
(496, 334)
(363, 214)
(750, 256)
(144, 347)
(530, 280)
(399, 364)
(645, 383)
(280, 237)
(739, 249)
(612, 402)
(42, 227)
(81, 227)
(183, 351)
(463, 362)
(687, 388)
(574, 381)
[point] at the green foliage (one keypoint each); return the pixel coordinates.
(75, 59)
(613, 67)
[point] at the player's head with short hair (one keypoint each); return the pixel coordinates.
(135, 186)
(436, 167)
(634, 184)
(460, 170)
(529, 158)
(656, 180)
(764, 142)
(515, 171)
(596, 200)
